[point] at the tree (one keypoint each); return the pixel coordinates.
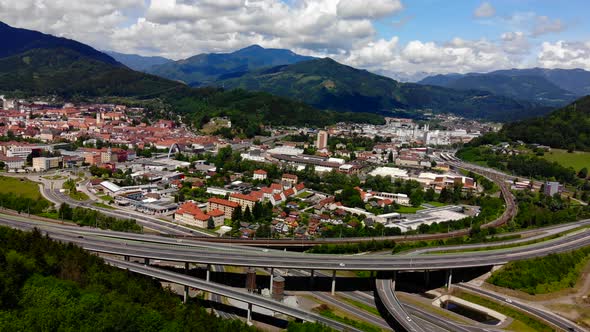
(583, 173)
(429, 195)
(210, 223)
(445, 196)
(237, 214)
(247, 215)
(390, 157)
(350, 197)
(417, 198)
(263, 231)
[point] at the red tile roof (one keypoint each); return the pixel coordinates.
(244, 197)
(225, 202)
(192, 209)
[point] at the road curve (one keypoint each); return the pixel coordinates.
(387, 296)
(223, 290)
(551, 318)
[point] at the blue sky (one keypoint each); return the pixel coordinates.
(399, 38)
(438, 19)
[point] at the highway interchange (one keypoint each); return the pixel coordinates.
(195, 251)
(193, 246)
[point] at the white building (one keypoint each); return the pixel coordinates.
(13, 163)
(322, 140)
(46, 163)
(394, 172)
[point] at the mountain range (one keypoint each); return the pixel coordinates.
(327, 84)
(204, 69)
(36, 63)
(138, 62)
(553, 87)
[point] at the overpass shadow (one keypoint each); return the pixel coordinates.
(411, 282)
(270, 320)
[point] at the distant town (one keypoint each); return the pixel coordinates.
(164, 168)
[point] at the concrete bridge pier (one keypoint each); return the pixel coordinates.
(427, 278)
(449, 279)
(186, 294)
(333, 282)
(126, 258)
(146, 261)
(208, 275)
(393, 280)
(249, 316)
(186, 267)
(272, 275)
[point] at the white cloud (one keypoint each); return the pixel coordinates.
(89, 21)
(484, 10)
(563, 54)
(515, 42)
(342, 29)
(544, 25)
(362, 9)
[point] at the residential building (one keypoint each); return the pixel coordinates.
(13, 163)
(227, 207)
(322, 140)
(189, 213)
(260, 174)
(244, 200)
(291, 179)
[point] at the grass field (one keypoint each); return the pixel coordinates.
(19, 186)
(522, 322)
(408, 209)
(577, 160)
(79, 196)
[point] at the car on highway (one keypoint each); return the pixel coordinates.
(342, 264)
(508, 300)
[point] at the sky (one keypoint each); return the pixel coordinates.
(391, 37)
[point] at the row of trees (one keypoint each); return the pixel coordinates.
(87, 217)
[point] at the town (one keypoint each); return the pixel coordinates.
(388, 179)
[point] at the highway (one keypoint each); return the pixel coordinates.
(549, 317)
(132, 245)
(526, 236)
(384, 288)
(179, 250)
(344, 306)
(222, 290)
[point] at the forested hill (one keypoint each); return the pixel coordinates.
(567, 128)
(327, 84)
(47, 65)
(48, 286)
(554, 87)
(531, 88)
(206, 68)
(16, 41)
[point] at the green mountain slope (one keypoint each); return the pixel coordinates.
(65, 72)
(327, 84)
(553, 87)
(568, 127)
(205, 68)
(15, 41)
(138, 62)
(70, 69)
